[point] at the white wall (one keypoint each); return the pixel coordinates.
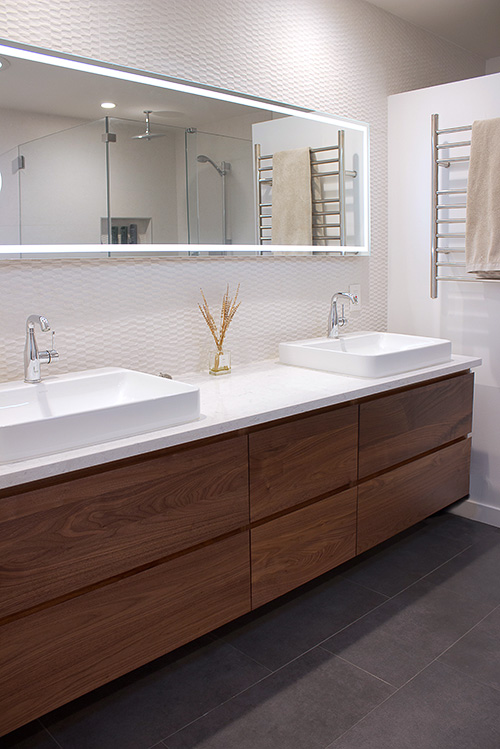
(467, 313)
(20, 127)
(339, 56)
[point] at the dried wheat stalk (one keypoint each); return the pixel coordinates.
(227, 312)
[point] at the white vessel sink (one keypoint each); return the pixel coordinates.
(367, 354)
(85, 408)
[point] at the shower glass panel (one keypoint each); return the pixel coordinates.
(9, 197)
(63, 187)
(147, 184)
(191, 154)
(220, 185)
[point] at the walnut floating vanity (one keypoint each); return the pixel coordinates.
(108, 565)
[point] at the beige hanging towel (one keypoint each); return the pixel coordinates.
(482, 227)
(291, 197)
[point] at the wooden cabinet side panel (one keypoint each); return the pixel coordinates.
(301, 545)
(302, 459)
(58, 539)
(394, 501)
(398, 427)
(51, 657)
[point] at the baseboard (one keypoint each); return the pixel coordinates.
(477, 511)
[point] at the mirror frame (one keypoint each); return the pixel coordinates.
(184, 251)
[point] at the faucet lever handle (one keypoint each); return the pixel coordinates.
(53, 354)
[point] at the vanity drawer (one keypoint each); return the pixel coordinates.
(55, 655)
(301, 545)
(63, 537)
(398, 427)
(398, 499)
(302, 459)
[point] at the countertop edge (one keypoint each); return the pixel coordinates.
(306, 389)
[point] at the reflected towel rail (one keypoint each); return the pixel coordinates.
(264, 220)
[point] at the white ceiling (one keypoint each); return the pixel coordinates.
(47, 89)
(472, 24)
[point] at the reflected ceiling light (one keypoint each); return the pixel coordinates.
(4, 64)
(108, 105)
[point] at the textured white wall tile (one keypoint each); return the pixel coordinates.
(342, 56)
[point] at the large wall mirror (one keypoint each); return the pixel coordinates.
(106, 161)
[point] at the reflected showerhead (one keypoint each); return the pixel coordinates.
(222, 169)
(148, 135)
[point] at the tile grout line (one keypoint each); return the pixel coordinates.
(365, 587)
(332, 745)
(51, 736)
(359, 668)
(496, 608)
(251, 658)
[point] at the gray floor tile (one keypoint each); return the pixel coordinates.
(305, 705)
(461, 529)
(277, 633)
(403, 562)
(473, 573)
(31, 736)
(156, 701)
(478, 653)
(439, 709)
(407, 632)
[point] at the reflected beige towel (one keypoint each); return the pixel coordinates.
(482, 228)
(291, 197)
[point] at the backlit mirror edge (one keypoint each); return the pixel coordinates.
(181, 251)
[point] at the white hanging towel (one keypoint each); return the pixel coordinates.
(482, 227)
(291, 197)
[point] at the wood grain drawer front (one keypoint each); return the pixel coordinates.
(398, 427)
(303, 459)
(297, 547)
(58, 539)
(53, 656)
(400, 498)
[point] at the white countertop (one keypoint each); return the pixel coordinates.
(250, 395)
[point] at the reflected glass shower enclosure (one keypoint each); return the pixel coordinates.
(100, 183)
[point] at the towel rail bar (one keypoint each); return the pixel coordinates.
(452, 160)
(466, 278)
(458, 144)
(462, 129)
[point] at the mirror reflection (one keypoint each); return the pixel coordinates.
(86, 159)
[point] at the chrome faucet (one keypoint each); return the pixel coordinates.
(334, 321)
(32, 356)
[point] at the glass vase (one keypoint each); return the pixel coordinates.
(220, 363)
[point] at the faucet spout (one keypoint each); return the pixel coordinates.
(334, 321)
(33, 358)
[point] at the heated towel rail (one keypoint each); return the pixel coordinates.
(322, 207)
(449, 204)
